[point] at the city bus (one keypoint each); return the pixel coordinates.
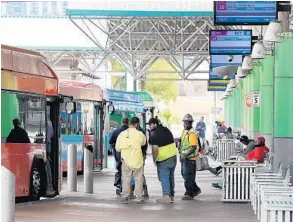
(85, 127)
(126, 104)
(29, 92)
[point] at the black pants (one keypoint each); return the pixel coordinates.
(188, 171)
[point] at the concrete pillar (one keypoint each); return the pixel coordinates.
(283, 103)
(88, 167)
(7, 195)
(72, 168)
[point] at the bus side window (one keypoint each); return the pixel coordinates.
(32, 115)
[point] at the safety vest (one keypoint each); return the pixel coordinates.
(185, 145)
(166, 152)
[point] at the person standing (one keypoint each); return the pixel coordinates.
(145, 187)
(117, 155)
(129, 143)
(165, 157)
(188, 156)
(201, 131)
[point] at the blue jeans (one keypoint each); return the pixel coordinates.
(166, 175)
(188, 171)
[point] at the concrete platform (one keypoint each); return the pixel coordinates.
(103, 205)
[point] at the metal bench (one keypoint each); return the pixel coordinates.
(277, 210)
(225, 148)
(236, 178)
(273, 181)
(268, 192)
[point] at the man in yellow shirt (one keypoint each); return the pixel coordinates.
(129, 143)
(189, 153)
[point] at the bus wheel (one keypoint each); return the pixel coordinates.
(37, 181)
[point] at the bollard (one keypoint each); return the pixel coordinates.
(72, 168)
(88, 166)
(7, 195)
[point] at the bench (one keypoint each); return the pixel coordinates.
(277, 209)
(236, 176)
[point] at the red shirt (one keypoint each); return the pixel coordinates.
(258, 154)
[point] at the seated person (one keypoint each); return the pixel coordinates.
(18, 134)
(249, 143)
(258, 154)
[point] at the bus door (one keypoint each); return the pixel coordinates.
(99, 131)
(53, 162)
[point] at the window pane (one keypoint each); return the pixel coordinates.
(71, 124)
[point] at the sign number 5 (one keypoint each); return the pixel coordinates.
(256, 99)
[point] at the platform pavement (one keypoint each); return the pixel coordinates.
(103, 205)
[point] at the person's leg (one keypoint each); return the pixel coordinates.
(126, 177)
(145, 188)
(132, 187)
(164, 174)
(172, 177)
(187, 176)
(138, 177)
(196, 189)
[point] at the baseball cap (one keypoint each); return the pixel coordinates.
(261, 139)
(153, 120)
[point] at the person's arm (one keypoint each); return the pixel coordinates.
(198, 127)
(118, 146)
(155, 152)
(204, 127)
(113, 139)
(8, 139)
(193, 141)
(27, 139)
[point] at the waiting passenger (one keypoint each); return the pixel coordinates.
(250, 145)
(229, 133)
(258, 154)
(117, 155)
(18, 134)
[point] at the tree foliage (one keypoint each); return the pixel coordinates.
(162, 90)
(167, 117)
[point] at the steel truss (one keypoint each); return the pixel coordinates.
(138, 42)
(73, 61)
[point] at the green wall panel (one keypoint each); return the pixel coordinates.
(283, 89)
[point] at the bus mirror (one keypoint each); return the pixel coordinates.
(111, 109)
(70, 107)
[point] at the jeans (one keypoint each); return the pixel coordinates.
(188, 172)
(166, 175)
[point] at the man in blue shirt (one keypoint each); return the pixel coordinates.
(201, 131)
(117, 155)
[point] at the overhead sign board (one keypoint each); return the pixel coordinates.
(230, 42)
(245, 12)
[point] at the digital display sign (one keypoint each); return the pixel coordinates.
(245, 12)
(230, 42)
(222, 60)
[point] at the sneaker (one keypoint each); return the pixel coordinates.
(172, 199)
(197, 193)
(118, 191)
(140, 201)
(216, 185)
(187, 197)
(165, 199)
(124, 200)
(132, 196)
